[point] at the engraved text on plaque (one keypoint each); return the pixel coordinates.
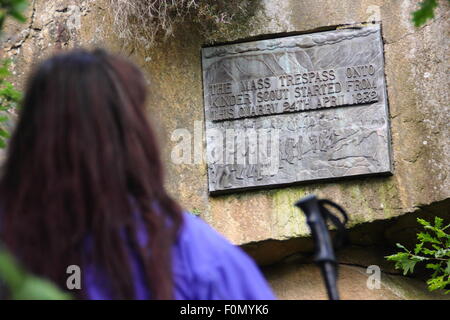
(295, 109)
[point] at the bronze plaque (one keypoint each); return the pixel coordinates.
(295, 109)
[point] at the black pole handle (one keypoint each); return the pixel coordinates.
(318, 227)
(316, 217)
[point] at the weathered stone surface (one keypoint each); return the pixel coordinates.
(416, 64)
(291, 281)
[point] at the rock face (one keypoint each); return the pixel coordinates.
(416, 64)
(304, 282)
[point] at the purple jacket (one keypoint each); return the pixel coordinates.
(205, 267)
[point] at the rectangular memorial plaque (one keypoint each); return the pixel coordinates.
(295, 109)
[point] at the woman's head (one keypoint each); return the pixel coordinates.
(82, 159)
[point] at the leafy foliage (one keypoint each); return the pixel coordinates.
(19, 284)
(9, 95)
(434, 249)
(13, 8)
(425, 12)
(10, 98)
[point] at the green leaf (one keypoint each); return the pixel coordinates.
(418, 248)
(438, 282)
(425, 12)
(13, 8)
(34, 288)
(18, 16)
(4, 133)
(4, 69)
(428, 252)
(404, 261)
(408, 266)
(423, 222)
(2, 143)
(398, 256)
(401, 247)
(24, 286)
(442, 252)
(426, 237)
(10, 93)
(10, 272)
(433, 266)
(437, 252)
(438, 222)
(419, 258)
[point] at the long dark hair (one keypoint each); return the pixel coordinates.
(82, 161)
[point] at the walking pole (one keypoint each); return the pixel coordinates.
(316, 217)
